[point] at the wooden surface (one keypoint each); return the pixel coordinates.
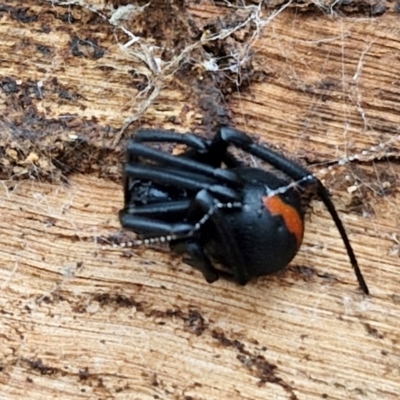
(81, 319)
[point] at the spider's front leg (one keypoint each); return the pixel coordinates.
(188, 164)
(198, 148)
(176, 178)
(162, 136)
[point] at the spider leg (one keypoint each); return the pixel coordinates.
(147, 221)
(158, 135)
(196, 259)
(199, 144)
(195, 142)
(186, 164)
(162, 211)
(207, 204)
(227, 136)
(187, 180)
(152, 228)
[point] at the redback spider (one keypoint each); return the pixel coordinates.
(211, 207)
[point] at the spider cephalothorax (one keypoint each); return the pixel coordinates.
(209, 206)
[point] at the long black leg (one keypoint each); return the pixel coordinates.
(228, 136)
(148, 227)
(197, 258)
(156, 135)
(161, 211)
(206, 202)
(177, 178)
(186, 164)
(197, 143)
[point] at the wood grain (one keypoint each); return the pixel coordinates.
(81, 319)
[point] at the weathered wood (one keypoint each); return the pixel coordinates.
(83, 319)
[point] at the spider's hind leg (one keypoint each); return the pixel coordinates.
(150, 223)
(209, 206)
(197, 258)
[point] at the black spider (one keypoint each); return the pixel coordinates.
(248, 219)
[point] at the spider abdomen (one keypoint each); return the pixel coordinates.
(268, 230)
